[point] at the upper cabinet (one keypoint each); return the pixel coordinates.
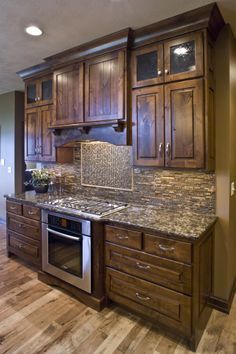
(177, 59)
(105, 80)
(39, 92)
(69, 95)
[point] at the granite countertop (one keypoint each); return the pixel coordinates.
(175, 223)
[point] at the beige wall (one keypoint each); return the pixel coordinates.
(225, 245)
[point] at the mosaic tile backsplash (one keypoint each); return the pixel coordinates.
(185, 190)
(99, 167)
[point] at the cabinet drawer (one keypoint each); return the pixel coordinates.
(174, 275)
(14, 208)
(180, 251)
(158, 303)
(124, 237)
(24, 226)
(31, 212)
(23, 246)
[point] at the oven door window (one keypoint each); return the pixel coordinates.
(65, 253)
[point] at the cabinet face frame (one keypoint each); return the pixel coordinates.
(34, 136)
(145, 50)
(76, 69)
(197, 37)
(195, 88)
(121, 77)
(155, 93)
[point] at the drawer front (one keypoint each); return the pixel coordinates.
(124, 237)
(31, 212)
(23, 246)
(21, 226)
(14, 208)
(174, 275)
(180, 251)
(164, 305)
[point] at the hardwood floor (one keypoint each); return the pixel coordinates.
(35, 318)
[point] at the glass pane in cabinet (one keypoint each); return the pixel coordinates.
(147, 66)
(47, 90)
(182, 58)
(31, 93)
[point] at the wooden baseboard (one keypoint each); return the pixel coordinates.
(220, 304)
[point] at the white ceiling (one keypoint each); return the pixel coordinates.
(68, 23)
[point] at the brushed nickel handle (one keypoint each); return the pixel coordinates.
(159, 73)
(120, 237)
(31, 212)
(39, 98)
(160, 149)
(166, 71)
(166, 248)
(143, 298)
(142, 266)
(168, 149)
(13, 208)
(35, 99)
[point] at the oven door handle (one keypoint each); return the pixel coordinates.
(63, 235)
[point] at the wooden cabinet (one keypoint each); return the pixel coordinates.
(24, 232)
(39, 140)
(176, 59)
(68, 95)
(184, 119)
(173, 139)
(148, 126)
(166, 280)
(38, 92)
(105, 80)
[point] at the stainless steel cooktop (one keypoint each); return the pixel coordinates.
(90, 206)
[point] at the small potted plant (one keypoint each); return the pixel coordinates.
(41, 180)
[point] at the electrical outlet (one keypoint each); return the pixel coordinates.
(233, 190)
(2, 163)
(9, 169)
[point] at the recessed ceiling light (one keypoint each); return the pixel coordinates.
(33, 30)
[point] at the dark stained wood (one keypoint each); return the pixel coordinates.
(31, 212)
(124, 237)
(31, 134)
(68, 95)
(171, 274)
(105, 87)
(47, 152)
(184, 118)
(148, 126)
(160, 246)
(158, 49)
(64, 155)
(198, 68)
(221, 304)
(160, 304)
(14, 207)
(98, 262)
(26, 227)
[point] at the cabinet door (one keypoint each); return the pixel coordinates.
(68, 95)
(46, 137)
(31, 93)
(184, 57)
(147, 66)
(148, 126)
(45, 90)
(105, 87)
(184, 124)
(31, 134)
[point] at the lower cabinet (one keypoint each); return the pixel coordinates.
(167, 281)
(24, 232)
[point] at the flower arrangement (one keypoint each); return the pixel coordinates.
(40, 180)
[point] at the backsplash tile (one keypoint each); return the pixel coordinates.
(185, 190)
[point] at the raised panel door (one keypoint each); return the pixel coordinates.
(148, 126)
(184, 124)
(105, 87)
(183, 57)
(147, 66)
(46, 137)
(68, 95)
(31, 134)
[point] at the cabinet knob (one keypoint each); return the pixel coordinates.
(166, 71)
(38, 98)
(168, 149)
(159, 73)
(35, 99)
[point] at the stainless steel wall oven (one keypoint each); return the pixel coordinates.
(66, 249)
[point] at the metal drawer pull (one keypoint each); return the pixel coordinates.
(166, 71)
(168, 149)
(31, 212)
(140, 266)
(166, 249)
(143, 298)
(20, 225)
(63, 235)
(160, 149)
(120, 237)
(13, 208)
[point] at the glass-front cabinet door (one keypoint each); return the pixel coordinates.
(147, 66)
(39, 92)
(45, 90)
(31, 93)
(184, 57)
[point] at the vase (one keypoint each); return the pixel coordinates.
(41, 188)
